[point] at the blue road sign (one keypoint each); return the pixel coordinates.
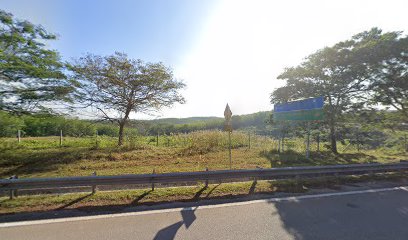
(306, 104)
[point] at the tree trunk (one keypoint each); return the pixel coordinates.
(333, 141)
(332, 124)
(121, 129)
(122, 124)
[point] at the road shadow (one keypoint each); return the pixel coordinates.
(253, 186)
(199, 192)
(169, 232)
(364, 216)
(73, 202)
(212, 189)
(140, 197)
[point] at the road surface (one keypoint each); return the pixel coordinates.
(368, 214)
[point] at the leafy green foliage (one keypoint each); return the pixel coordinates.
(390, 78)
(30, 74)
(343, 74)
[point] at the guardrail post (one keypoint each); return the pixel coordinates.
(206, 181)
(13, 192)
(371, 174)
(336, 178)
(403, 171)
(154, 172)
(299, 184)
(94, 186)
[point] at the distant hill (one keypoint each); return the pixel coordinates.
(184, 120)
(173, 125)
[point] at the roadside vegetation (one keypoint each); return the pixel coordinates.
(44, 157)
(122, 199)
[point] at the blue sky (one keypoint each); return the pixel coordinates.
(157, 30)
(226, 51)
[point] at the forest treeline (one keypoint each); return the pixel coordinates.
(45, 124)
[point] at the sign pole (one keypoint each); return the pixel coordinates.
(229, 140)
(228, 127)
(308, 140)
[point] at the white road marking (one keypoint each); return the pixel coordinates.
(296, 198)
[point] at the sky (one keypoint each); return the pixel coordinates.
(225, 51)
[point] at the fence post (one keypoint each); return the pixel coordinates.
(19, 136)
(94, 186)
(406, 143)
(157, 139)
(60, 138)
(154, 172)
(206, 181)
(96, 139)
(358, 142)
(249, 140)
(13, 192)
(318, 142)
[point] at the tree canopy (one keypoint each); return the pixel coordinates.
(116, 86)
(30, 74)
(390, 75)
(345, 74)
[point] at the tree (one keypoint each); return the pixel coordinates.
(30, 74)
(341, 73)
(390, 80)
(116, 86)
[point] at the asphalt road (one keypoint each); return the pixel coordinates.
(359, 215)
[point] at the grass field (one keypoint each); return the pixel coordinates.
(44, 157)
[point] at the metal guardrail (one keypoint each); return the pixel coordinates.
(185, 177)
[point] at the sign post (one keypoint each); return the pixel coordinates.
(310, 109)
(228, 127)
(308, 141)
